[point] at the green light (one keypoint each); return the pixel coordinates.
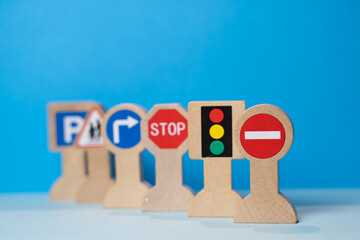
(216, 147)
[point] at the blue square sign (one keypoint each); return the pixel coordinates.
(68, 125)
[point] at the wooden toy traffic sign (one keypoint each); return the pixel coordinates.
(264, 135)
(121, 133)
(65, 122)
(211, 138)
(90, 135)
(98, 159)
(165, 132)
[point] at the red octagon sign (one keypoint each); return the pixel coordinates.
(167, 128)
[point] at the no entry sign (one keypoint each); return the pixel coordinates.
(262, 136)
(167, 128)
(265, 132)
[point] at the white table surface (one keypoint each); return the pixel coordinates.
(322, 214)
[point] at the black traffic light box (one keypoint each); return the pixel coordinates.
(216, 131)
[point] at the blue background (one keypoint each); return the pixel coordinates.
(303, 56)
(59, 116)
(129, 137)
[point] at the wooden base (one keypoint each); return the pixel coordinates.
(265, 210)
(214, 204)
(129, 191)
(265, 204)
(93, 190)
(99, 179)
(168, 194)
(175, 199)
(73, 169)
(123, 196)
(217, 199)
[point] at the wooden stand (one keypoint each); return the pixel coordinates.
(73, 159)
(217, 199)
(73, 169)
(168, 145)
(98, 159)
(129, 191)
(99, 179)
(168, 194)
(265, 204)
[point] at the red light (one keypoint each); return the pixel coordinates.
(216, 115)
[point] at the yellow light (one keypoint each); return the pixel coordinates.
(216, 131)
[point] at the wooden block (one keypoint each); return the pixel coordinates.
(211, 138)
(98, 160)
(121, 133)
(65, 122)
(266, 135)
(164, 131)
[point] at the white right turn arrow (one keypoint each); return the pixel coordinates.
(129, 122)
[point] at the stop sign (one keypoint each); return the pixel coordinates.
(167, 128)
(265, 132)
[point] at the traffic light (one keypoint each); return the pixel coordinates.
(216, 131)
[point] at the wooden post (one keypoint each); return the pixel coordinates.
(122, 136)
(266, 135)
(99, 177)
(65, 121)
(73, 169)
(164, 131)
(217, 199)
(211, 138)
(129, 190)
(98, 160)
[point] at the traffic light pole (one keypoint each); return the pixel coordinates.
(217, 199)
(217, 175)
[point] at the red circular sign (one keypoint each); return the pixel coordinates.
(167, 128)
(262, 136)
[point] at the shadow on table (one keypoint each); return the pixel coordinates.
(266, 228)
(307, 198)
(323, 197)
(40, 201)
(169, 216)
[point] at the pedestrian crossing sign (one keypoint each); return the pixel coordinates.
(89, 136)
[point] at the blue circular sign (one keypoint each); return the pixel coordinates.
(123, 129)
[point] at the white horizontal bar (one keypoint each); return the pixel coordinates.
(262, 135)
